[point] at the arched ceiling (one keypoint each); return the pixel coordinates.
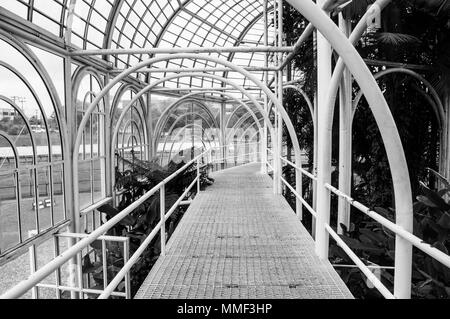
(156, 23)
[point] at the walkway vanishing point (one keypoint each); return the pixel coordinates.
(238, 240)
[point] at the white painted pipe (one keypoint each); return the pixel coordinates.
(389, 133)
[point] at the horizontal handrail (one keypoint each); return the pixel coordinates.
(96, 205)
(308, 207)
(83, 290)
(133, 259)
(414, 240)
(369, 274)
(305, 172)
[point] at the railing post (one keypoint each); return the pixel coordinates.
(32, 256)
(299, 190)
(324, 144)
(162, 205)
(198, 175)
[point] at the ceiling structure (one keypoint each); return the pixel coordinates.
(124, 24)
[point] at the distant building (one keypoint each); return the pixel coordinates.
(7, 113)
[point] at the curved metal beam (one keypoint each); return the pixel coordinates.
(162, 121)
(390, 136)
(238, 69)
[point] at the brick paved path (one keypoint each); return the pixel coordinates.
(239, 240)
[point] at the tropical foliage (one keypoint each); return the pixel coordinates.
(400, 40)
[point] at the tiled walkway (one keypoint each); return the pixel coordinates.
(239, 240)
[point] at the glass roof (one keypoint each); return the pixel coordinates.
(156, 23)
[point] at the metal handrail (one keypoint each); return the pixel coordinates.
(35, 278)
(398, 230)
(414, 240)
(308, 207)
(301, 169)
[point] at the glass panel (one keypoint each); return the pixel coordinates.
(84, 184)
(9, 227)
(29, 204)
(45, 199)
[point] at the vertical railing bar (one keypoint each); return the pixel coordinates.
(104, 264)
(126, 257)
(80, 274)
(52, 209)
(57, 270)
(93, 219)
(33, 266)
(36, 197)
(198, 175)
(18, 199)
(162, 204)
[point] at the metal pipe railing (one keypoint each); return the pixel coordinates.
(398, 230)
(74, 251)
(370, 276)
(299, 197)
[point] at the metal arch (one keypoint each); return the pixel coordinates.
(235, 132)
(119, 122)
(87, 95)
(113, 15)
(305, 96)
(135, 124)
(11, 143)
(133, 137)
(33, 146)
(229, 35)
(244, 33)
(129, 105)
(182, 131)
(17, 180)
(245, 132)
(241, 103)
(175, 115)
(435, 103)
(78, 77)
(234, 113)
(141, 110)
(438, 108)
(118, 96)
(390, 136)
(162, 120)
(70, 15)
(178, 119)
(183, 142)
(206, 75)
(27, 123)
(172, 128)
(31, 57)
(182, 8)
(241, 70)
(38, 101)
(239, 123)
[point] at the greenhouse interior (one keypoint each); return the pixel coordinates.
(243, 149)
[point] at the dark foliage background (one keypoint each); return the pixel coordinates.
(414, 32)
